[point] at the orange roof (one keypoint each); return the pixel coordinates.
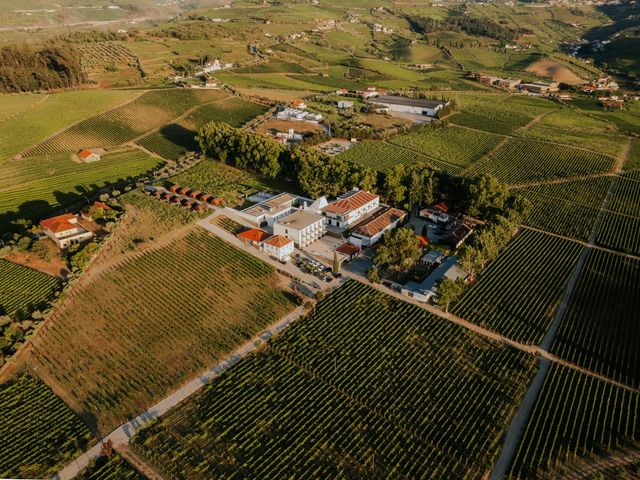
(423, 241)
(59, 223)
(442, 206)
(347, 249)
(85, 153)
(297, 102)
(253, 235)
(102, 205)
(379, 223)
(350, 201)
(278, 241)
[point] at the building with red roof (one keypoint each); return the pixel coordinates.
(347, 209)
(279, 247)
(253, 236)
(65, 230)
(87, 156)
(371, 230)
(348, 250)
(85, 213)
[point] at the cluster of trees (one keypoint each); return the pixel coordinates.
(27, 69)
(22, 241)
(474, 26)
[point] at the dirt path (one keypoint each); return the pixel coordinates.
(123, 434)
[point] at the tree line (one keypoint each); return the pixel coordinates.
(27, 69)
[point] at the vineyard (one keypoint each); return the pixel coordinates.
(590, 192)
(179, 308)
(383, 156)
(366, 386)
(625, 198)
(122, 124)
(174, 140)
(33, 188)
(114, 468)
(38, 432)
(600, 328)
(99, 56)
(619, 232)
(23, 289)
(521, 161)
(633, 158)
(518, 293)
(576, 415)
(460, 146)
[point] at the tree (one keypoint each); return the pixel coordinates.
(486, 195)
(420, 184)
(400, 249)
(449, 291)
(41, 250)
(373, 274)
(394, 184)
(336, 263)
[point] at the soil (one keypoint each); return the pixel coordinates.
(555, 71)
(276, 94)
(56, 267)
(274, 125)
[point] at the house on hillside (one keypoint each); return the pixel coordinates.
(370, 92)
(65, 230)
(416, 106)
(279, 247)
(87, 156)
(303, 227)
(509, 83)
(350, 207)
(370, 231)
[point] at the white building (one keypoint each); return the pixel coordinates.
(279, 247)
(289, 136)
(297, 114)
(269, 211)
(65, 230)
(371, 230)
(417, 106)
(423, 291)
(87, 156)
(303, 227)
(345, 104)
(350, 207)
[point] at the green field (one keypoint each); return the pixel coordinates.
(38, 432)
(633, 159)
(383, 156)
(23, 289)
(599, 330)
(619, 232)
(518, 293)
(625, 197)
(366, 386)
(456, 145)
(576, 417)
(34, 187)
(123, 124)
(179, 309)
(114, 468)
(521, 161)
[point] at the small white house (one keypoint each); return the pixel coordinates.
(279, 247)
(345, 104)
(87, 156)
(65, 230)
(302, 226)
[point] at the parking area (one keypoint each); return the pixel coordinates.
(313, 267)
(324, 247)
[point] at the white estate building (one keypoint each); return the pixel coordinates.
(371, 230)
(65, 230)
(350, 207)
(269, 211)
(279, 247)
(417, 106)
(303, 227)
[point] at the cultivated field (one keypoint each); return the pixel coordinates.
(599, 330)
(22, 289)
(619, 232)
(114, 469)
(518, 293)
(577, 416)
(145, 325)
(625, 198)
(521, 161)
(367, 386)
(555, 71)
(38, 432)
(34, 187)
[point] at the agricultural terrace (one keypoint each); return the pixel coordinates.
(619, 232)
(365, 377)
(38, 432)
(457, 145)
(53, 113)
(521, 161)
(600, 331)
(123, 124)
(180, 307)
(574, 128)
(384, 156)
(35, 187)
(175, 139)
(568, 208)
(518, 293)
(22, 289)
(557, 433)
(114, 468)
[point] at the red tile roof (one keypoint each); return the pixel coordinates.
(441, 206)
(350, 201)
(85, 153)
(423, 241)
(102, 205)
(278, 241)
(253, 235)
(347, 249)
(379, 223)
(59, 223)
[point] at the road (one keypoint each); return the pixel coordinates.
(122, 434)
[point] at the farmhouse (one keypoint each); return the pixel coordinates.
(269, 211)
(299, 104)
(489, 79)
(348, 251)
(345, 104)
(304, 227)
(65, 230)
(371, 91)
(253, 236)
(417, 106)
(279, 247)
(369, 231)
(350, 207)
(427, 289)
(87, 156)
(509, 83)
